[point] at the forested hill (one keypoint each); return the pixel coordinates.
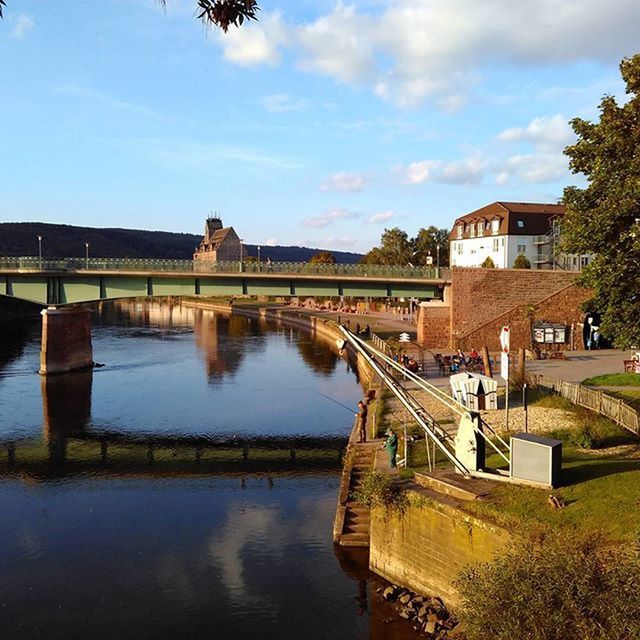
(66, 241)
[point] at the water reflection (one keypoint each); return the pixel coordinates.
(187, 489)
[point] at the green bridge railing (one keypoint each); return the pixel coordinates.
(203, 266)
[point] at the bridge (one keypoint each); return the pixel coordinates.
(72, 281)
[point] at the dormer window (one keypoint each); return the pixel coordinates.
(495, 227)
(459, 231)
(472, 230)
(480, 228)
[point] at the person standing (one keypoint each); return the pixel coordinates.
(596, 339)
(391, 445)
(362, 421)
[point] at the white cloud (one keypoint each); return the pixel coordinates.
(383, 216)
(256, 42)
(24, 25)
(108, 101)
(546, 133)
(345, 182)
(534, 167)
(415, 50)
(340, 242)
(468, 170)
(338, 45)
(328, 217)
(283, 103)
(271, 242)
(419, 172)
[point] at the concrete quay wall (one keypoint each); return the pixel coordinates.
(425, 546)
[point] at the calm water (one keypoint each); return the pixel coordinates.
(124, 516)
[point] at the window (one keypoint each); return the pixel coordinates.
(472, 230)
(459, 248)
(480, 229)
(520, 224)
(496, 245)
(584, 261)
(495, 226)
(459, 231)
(522, 249)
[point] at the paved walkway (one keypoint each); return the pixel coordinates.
(580, 365)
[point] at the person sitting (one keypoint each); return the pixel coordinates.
(473, 354)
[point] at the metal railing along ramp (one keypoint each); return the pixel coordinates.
(382, 364)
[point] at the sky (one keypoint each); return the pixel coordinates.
(320, 125)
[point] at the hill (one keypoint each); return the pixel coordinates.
(66, 241)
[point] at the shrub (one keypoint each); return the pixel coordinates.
(488, 263)
(593, 431)
(558, 587)
(380, 490)
(521, 262)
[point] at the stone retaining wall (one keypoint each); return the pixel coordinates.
(426, 546)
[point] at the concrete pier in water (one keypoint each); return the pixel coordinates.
(66, 340)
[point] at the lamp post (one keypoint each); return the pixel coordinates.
(86, 255)
(438, 257)
(259, 263)
(40, 253)
(241, 254)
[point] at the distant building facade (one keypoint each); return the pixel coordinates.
(220, 244)
(503, 230)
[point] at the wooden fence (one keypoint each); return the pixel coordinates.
(615, 409)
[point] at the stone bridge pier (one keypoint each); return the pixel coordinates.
(66, 340)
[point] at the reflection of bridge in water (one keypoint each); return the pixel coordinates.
(71, 444)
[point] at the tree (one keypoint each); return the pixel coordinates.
(396, 248)
(426, 244)
(322, 257)
(488, 263)
(521, 262)
(603, 219)
(221, 13)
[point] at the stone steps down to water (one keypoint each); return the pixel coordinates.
(351, 528)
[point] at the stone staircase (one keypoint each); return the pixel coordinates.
(351, 528)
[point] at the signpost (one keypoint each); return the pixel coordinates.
(404, 337)
(504, 369)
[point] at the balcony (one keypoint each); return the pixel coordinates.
(539, 240)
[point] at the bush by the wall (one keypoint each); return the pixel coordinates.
(558, 588)
(380, 490)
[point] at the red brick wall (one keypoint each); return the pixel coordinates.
(478, 295)
(562, 307)
(434, 325)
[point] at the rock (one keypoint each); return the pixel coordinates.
(423, 611)
(405, 598)
(389, 594)
(432, 623)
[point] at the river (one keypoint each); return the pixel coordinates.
(159, 496)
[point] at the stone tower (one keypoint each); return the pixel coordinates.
(213, 224)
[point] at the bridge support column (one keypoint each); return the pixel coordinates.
(66, 340)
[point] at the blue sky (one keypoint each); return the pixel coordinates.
(321, 125)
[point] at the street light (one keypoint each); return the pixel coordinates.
(86, 254)
(259, 263)
(40, 253)
(438, 256)
(241, 252)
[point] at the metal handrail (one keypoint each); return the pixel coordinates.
(31, 263)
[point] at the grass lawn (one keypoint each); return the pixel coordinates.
(630, 396)
(614, 380)
(600, 486)
(600, 490)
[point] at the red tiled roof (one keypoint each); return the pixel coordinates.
(535, 218)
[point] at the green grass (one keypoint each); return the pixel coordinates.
(630, 396)
(614, 380)
(600, 490)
